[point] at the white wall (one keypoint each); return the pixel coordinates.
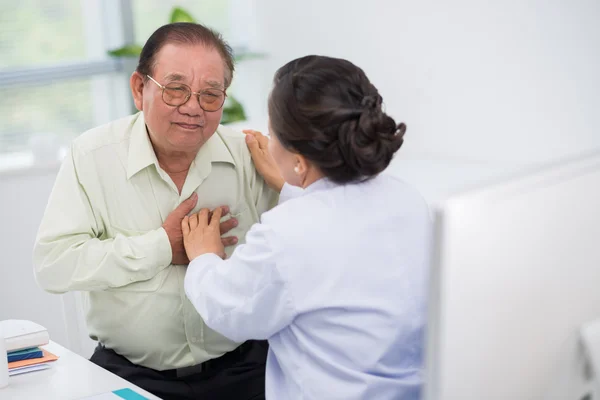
(23, 198)
(489, 83)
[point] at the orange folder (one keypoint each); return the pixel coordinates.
(47, 357)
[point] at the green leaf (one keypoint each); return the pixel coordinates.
(130, 50)
(180, 15)
(232, 111)
(243, 56)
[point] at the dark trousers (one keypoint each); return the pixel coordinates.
(239, 374)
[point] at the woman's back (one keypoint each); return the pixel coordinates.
(335, 278)
(355, 259)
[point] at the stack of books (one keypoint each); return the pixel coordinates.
(23, 346)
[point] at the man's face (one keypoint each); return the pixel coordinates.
(187, 127)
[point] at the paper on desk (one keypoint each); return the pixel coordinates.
(29, 368)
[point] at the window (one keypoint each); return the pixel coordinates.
(53, 114)
(64, 107)
(150, 15)
(56, 79)
(37, 32)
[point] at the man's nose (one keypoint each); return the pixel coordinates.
(192, 106)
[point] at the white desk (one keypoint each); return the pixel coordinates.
(70, 377)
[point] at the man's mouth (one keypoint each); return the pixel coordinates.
(190, 127)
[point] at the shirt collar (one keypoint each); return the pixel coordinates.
(321, 184)
(141, 153)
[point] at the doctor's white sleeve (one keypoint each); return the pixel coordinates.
(244, 297)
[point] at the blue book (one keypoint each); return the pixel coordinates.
(26, 354)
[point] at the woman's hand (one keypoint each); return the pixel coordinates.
(258, 144)
(202, 234)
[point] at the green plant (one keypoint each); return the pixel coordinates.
(233, 110)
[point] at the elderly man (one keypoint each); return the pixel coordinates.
(112, 228)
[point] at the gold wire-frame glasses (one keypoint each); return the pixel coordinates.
(177, 94)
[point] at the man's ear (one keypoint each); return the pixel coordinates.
(136, 82)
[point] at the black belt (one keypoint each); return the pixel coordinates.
(209, 365)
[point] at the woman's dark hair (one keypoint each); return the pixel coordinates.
(185, 33)
(327, 110)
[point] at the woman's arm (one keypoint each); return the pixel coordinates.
(244, 297)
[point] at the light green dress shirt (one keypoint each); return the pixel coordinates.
(101, 234)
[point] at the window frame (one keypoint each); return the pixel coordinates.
(115, 27)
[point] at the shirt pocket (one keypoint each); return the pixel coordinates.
(151, 285)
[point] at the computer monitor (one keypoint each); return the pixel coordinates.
(515, 274)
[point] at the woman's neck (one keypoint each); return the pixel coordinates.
(312, 176)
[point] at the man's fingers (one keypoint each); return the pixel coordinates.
(203, 217)
(185, 225)
(187, 205)
(229, 241)
(216, 218)
(228, 225)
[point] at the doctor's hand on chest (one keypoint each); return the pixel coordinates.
(202, 233)
(175, 220)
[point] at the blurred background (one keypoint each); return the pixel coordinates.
(486, 89)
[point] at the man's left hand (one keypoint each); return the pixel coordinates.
(226, 226)
(202, 234)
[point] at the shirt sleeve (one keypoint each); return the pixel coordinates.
(289, 192)
(244, 297)
(69, 253)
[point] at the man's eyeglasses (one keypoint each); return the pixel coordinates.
(177, 94)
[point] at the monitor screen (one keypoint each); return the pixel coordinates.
(515, 274)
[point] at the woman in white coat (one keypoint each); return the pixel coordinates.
(335, 275)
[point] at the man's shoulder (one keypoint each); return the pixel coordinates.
(236, 143)
(109, 134)
(231, 136)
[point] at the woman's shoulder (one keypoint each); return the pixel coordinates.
(292, 211)
(400, 189)
(294, 220)
(383, 195)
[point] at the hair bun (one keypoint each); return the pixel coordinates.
(369, 145)
(371, 102)
(327, 110)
